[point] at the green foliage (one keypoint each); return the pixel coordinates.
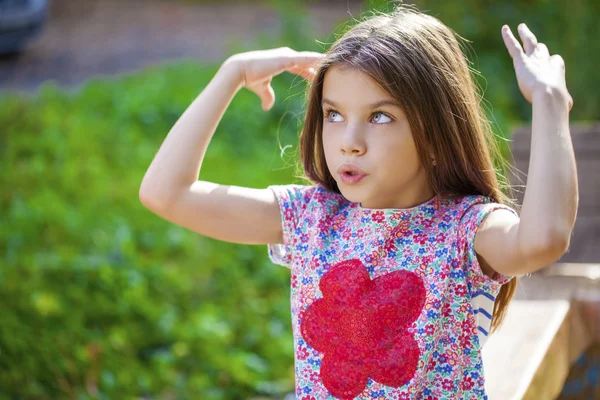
(99, 298)
(96, 291)
(568, 29)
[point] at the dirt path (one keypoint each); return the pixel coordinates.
(85, 38)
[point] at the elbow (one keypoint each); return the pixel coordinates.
(559, 240)
(146, 200)
(158, 198)
(150, 198)
(556, 247)
(546, 250)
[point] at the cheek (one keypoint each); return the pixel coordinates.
(326, 140)
(401, 156)
(328, 132)
(328, 149)
(330, 143)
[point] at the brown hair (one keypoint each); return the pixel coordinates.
(417, 60)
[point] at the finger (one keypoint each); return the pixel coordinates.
(570, 102)
(557, 61)
(514, 47)
(542, 50)
(306, 58)
(267, 96)
(308, 73)
(528, 38)
(302, 72)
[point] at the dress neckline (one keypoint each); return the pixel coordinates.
(386, 211)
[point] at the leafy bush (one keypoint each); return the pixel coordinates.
(96, 291)
(99, 298)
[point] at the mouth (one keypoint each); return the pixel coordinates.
(350, 174)
(350, 170)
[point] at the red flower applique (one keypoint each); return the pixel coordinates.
(361, 326)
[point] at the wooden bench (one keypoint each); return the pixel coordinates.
(554, 318)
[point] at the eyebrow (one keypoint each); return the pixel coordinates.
(392, 103)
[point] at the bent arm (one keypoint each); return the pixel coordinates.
(171, 188)
(515, 246)
(177, 164)
(551, 197)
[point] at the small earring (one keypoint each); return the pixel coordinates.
(434, 163)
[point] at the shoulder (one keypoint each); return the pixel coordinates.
(473, 214)
(293, 193)
(487, 230)
(299, 196)
(472, 209)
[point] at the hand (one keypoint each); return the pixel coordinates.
(536, 69)
(257, 69)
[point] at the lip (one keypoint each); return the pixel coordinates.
(350, 174)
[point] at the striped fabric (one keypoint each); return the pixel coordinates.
(483, 306)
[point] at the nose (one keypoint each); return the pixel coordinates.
(352, 142)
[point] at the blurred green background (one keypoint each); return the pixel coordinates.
(102, 299)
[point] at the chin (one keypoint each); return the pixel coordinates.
(350, 193)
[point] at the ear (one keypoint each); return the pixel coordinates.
(431, 156)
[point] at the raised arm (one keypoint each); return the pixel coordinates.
(171, 188)
(512, 245)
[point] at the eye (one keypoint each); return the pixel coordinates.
(329, 111)
(385, 115)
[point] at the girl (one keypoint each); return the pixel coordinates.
(402, 250)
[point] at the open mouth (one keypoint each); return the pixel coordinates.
(350, 172)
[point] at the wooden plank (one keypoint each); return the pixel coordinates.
(530, 355)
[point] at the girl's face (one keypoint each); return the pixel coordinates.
(375, 138)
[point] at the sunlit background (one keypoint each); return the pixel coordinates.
(100, 298)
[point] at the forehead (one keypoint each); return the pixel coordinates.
(352, 87)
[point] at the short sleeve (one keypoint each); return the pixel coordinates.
(468, 225)
(293, 201)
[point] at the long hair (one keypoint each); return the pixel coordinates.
(417, 60)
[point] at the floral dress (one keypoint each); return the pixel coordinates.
(385, 303)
